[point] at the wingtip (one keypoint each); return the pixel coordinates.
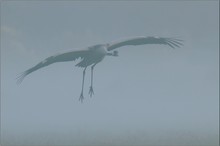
(21, 77)
(174, 43)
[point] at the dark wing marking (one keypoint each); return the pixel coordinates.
(172, 42)
(68, 56)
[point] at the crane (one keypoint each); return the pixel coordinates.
(92, 55)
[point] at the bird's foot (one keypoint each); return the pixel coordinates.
(91, 92)
(81, 98)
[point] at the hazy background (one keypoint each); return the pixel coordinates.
(149, 95)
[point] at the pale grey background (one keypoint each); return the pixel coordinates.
(149, 95)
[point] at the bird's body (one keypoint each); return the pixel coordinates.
(95, 54)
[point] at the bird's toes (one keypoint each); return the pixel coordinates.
(91, 92)
(81, 98)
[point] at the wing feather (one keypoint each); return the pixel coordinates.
(68, 56)
(177, 41)
(172, 42)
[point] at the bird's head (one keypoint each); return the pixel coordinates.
(114, 53)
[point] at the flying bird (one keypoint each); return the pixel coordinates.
(92, 55)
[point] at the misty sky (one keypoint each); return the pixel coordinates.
(149, 95)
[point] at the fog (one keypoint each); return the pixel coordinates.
(148, 95)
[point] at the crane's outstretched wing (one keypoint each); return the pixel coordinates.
(142, 40)
(68, 56)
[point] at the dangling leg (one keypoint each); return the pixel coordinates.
(91, 92)
(81, 95)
